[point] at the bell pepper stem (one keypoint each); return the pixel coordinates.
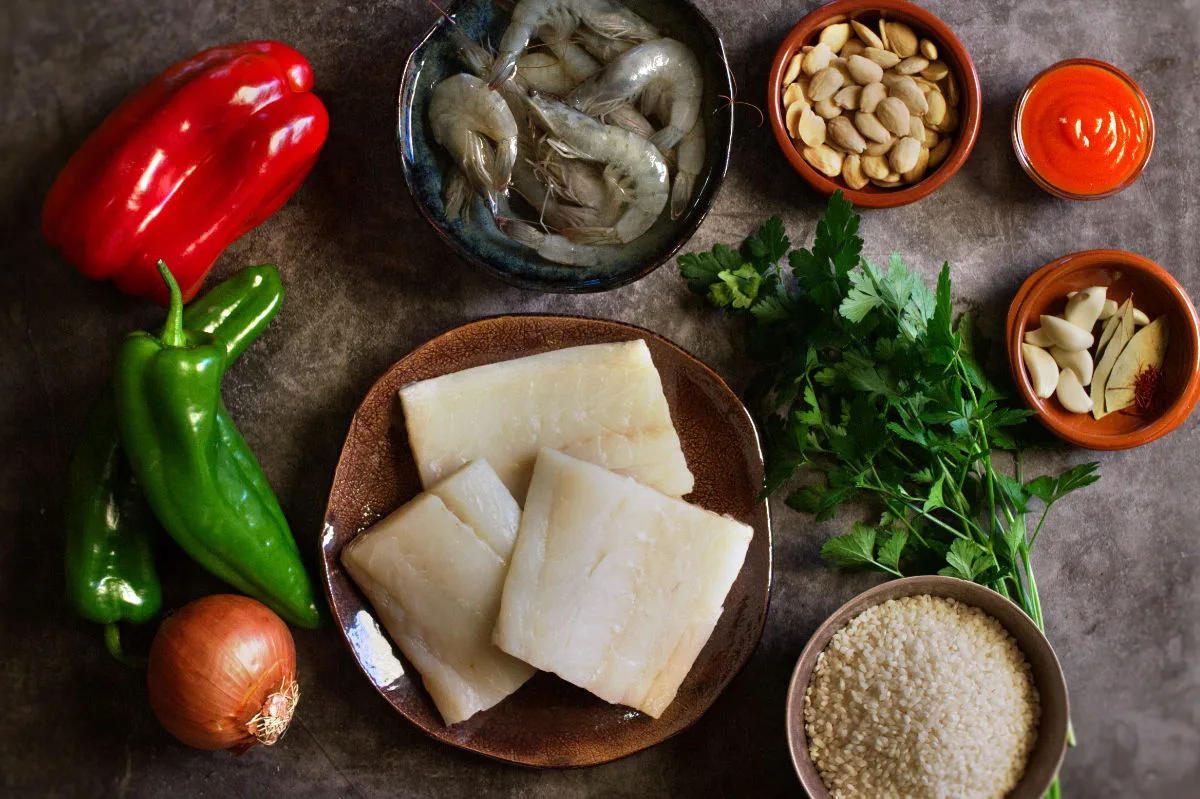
(172, 335)
(112, 639)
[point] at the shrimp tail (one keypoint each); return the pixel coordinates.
(456, 194)
(681, 193)
(477, 57)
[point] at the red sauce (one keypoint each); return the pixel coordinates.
(1084, 129)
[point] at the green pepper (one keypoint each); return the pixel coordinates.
(109, 527)
(202, 481)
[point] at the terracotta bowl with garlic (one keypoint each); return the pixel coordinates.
(1105, 346)
(877, 98)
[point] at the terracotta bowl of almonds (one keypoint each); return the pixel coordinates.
(1105, 346)
(879, 99)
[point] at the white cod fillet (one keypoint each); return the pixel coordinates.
(434, 570)
(603, 403)
(613, 586)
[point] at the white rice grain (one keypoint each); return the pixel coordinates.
(921, 697)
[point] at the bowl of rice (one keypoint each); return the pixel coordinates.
(928, 687)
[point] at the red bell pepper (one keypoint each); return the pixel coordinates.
(187, 165)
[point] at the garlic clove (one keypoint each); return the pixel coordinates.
(1084, 308)
(1038, 338)
(1071, 394)
(1140, 318)
(1066, 335)
(1079, 361)
(1043, 371)
(1108, 311)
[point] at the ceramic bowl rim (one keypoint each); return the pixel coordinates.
(972, 98)
(691, 222)
(1028, 637)
(1017, 320)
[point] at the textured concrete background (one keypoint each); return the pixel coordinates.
(368, 280)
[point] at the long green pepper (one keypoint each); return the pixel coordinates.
(202, 481)
(109, 528)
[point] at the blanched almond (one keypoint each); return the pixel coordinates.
(931, 138)
(835, 36)
(868, 36)
(817, 59)
(928, 49)
(916, 129)
(936, 70)
(905, 89)
(852, 47)
(937, 109)
(911, 65)
(890, 182)
(794, 93)
(827, 108)
(894, 115)
(852, 172)
(917, 173)
(843, 133)
(951, 90)
(901, 40)
(848, 97)
(791, 117)
(884, 58)
(871, 97)
(824, 159)
(875, 166)
(793, 68)
(870, 126)
(904, 155)
(811, 128)
(864, 70)
(938, 154)
(824, 84)
(879, 148)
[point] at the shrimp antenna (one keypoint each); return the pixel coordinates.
(442, 11)
(732, 101)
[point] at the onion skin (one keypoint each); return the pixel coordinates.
(222, 674)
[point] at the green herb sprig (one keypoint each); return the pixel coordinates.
(870, 383)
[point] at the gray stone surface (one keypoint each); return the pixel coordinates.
(368, 280)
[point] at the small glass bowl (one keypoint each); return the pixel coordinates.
(1023, 156)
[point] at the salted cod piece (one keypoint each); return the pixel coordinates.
(613, 586)
(603, 403)
(434, 570)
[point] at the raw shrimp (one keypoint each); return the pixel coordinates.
(544, 71)
(666, 76)
(464, 115)
(548, 197)
(605, 48)
(630, 161)
(605, 17)
(689, 158)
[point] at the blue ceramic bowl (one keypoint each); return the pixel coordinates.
(478, 239)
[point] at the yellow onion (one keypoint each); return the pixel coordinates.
(222, 674)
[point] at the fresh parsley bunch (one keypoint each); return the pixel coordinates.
(869, 382)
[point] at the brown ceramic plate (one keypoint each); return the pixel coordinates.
(1157, 293)
(548, 722)
(1047, 754)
